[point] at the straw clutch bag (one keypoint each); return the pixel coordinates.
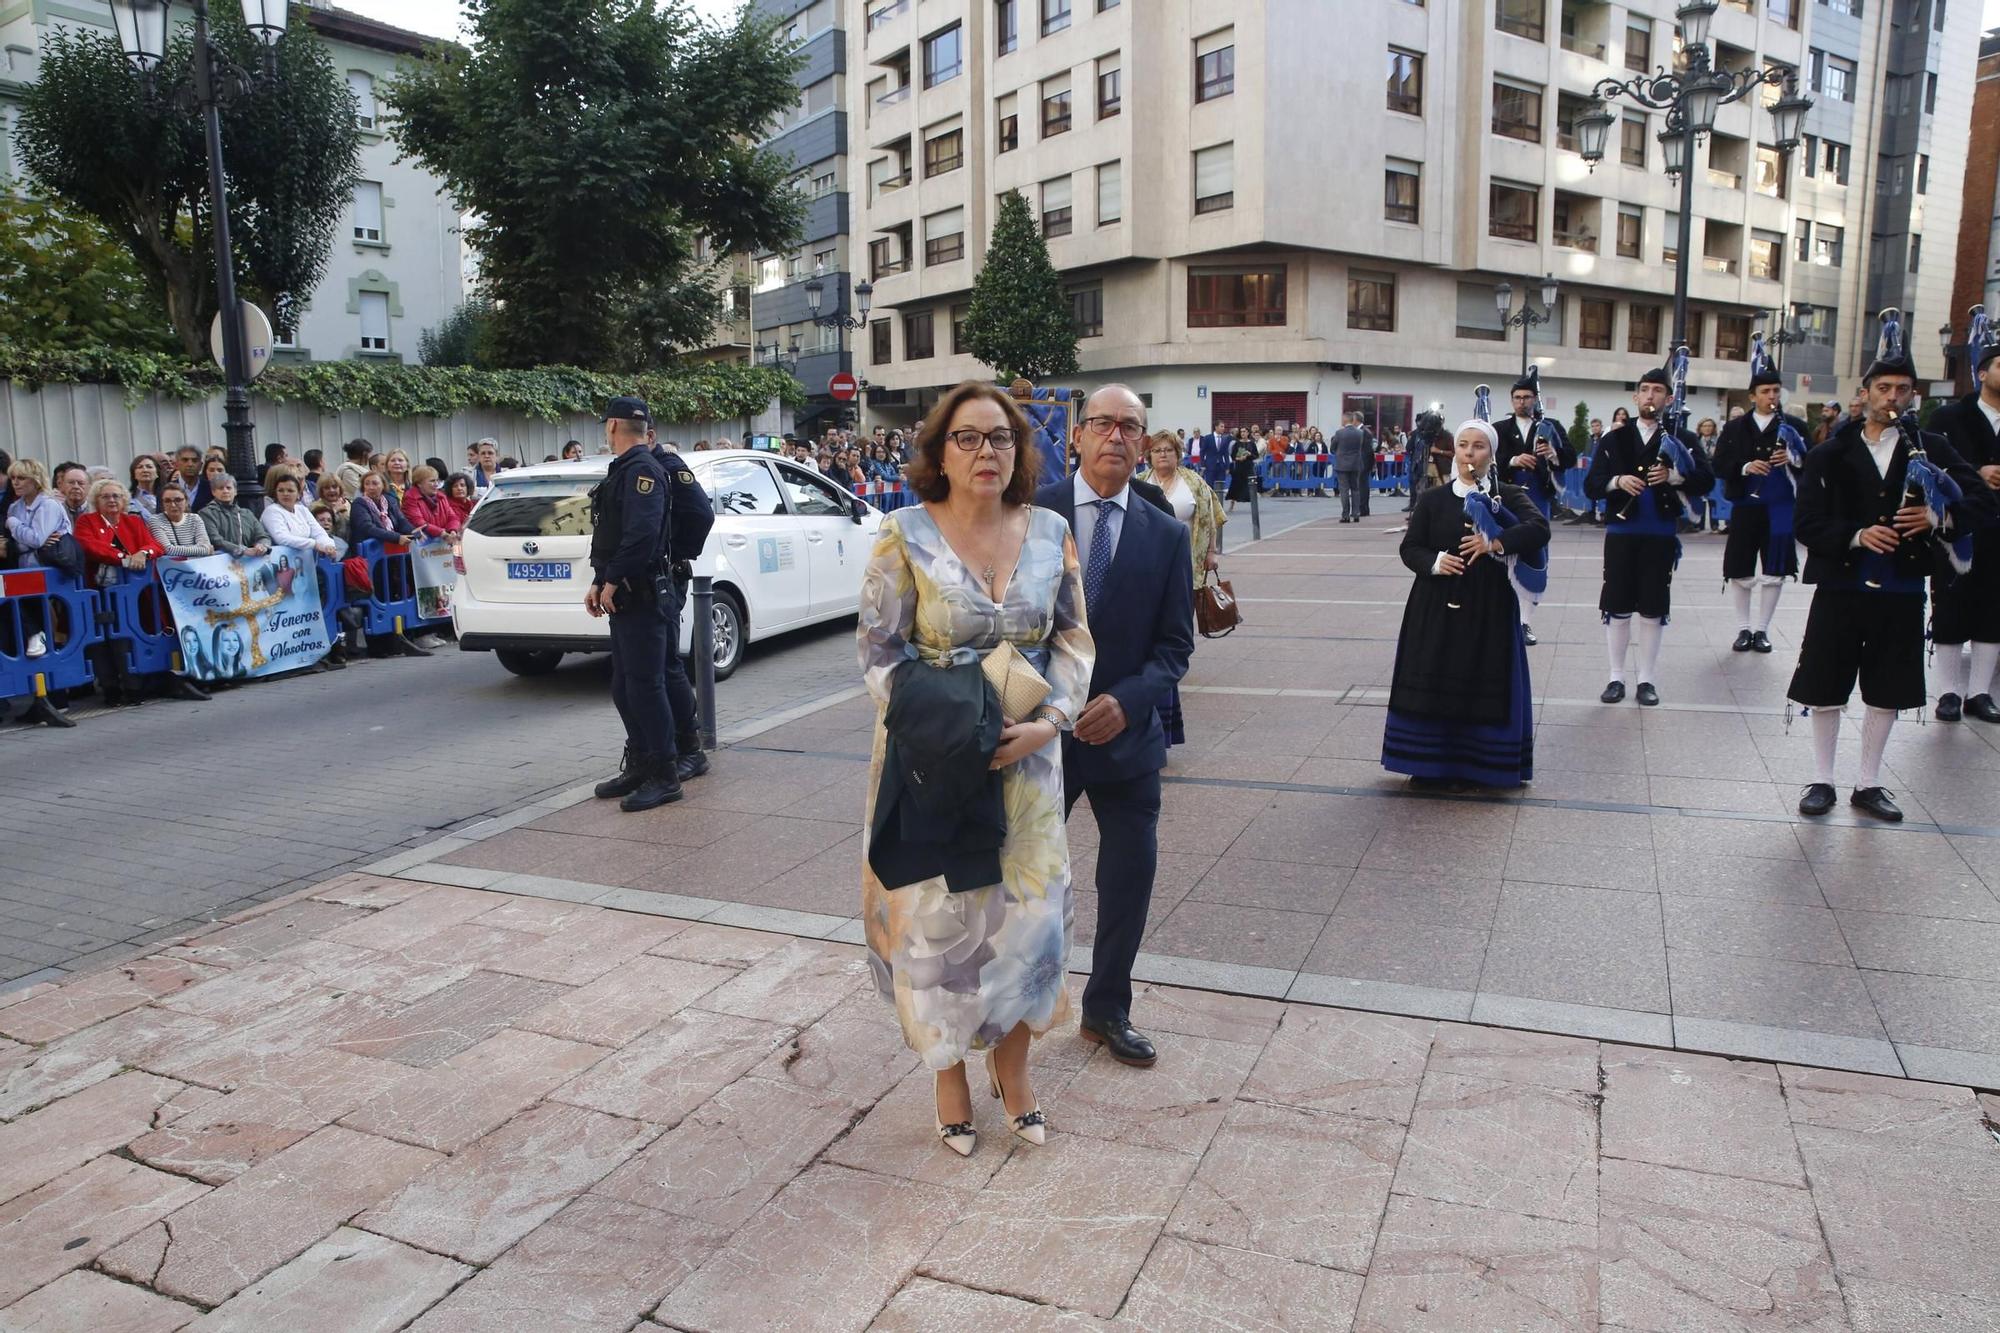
(1018, 686)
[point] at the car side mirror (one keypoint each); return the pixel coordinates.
(857, 508)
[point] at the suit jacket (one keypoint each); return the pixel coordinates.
(1351, 451)
(1620, 452)
(1144, 632)
(1546, 477)
(1741, 444)
(1841, 492)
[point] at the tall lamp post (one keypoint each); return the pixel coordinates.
(1790, 331)
(142, 32)
(864, 300)
(1690, 100)
(1529, 317)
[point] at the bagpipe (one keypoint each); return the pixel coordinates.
(1487, 515)
(1542, 430)
(1925, 484)
(1792, 444)
(1667, 444)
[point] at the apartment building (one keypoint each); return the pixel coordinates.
(1285, 209)
(397, 266)
(1976, 276)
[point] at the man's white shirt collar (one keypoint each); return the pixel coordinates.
(1083, 494)
(1992, 413)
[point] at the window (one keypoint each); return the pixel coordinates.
(1056, 207)
(1732, 337)
(1215, 178)
(917, 343)
(1517, 111)
(368, 211)
(1802, 241)
(1523, 18)
(1568, 107)
(1110, 89)
(878, 343)
(1916, 250)
(1007, 129)
(1400, 181)
(1515, 211)
(884, 257)
(1774, 172)
(1086, 310)
(1575, 221)
(1406, 82)
(1833, 76)
(944, 152)
(744, 486)
(362, 85)
(1851, 8)
(1236, 298)
(1833, 158)
(1923, 173)
(959, 314)
(809, 495)
(1594, 333)
(1785, 12)
(1215, 66)
(1371, 301)
(1478, 317)
(881, 11)
(1767, 256)
(1055, 16)
(1694, 332)
(1896, 90)
(944, 56)
(1632, 141)
(1103, 5)
(1006, 26)
(374, 321)
(1930, 94)
(1631, 230)
(1670, 243)
(1828, 243)
(1110, 194)
(944, 236)
(1638, 47)
(1055, 107)
(1642, 335)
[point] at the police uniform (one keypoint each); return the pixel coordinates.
(628, 545)
(1762, 513)
(689, 517)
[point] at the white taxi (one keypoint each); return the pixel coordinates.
(787, 550)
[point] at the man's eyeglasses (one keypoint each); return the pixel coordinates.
(1128, 430)
(1002, 440)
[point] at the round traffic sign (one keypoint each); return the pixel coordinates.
(843, 387)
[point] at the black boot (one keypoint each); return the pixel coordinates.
(630, 775)
(657, 787)
(689, 761)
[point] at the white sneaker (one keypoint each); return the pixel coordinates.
(38, 645)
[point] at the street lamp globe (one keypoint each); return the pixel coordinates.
(864, 296)
(1704, 99)
(1802, 317)
(266, 20)
(1944, 340)
(1673, 144)
(1788, 118)
(142, 31)
(1503, 297)
(1694, 17)
(1593, 131)
(815, 292)
(1549, 289)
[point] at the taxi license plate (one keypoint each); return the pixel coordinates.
(539, 571)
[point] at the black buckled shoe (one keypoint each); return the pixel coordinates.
(1745, 641)
(1127, 1045)
(626, 781)
(1648, 696)
(1816, 799)
(1875, 801)
(1949, 708)
(1613, 693)
(657, 785)
(1762, 642)
(1982, 707)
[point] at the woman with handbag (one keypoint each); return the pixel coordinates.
(1195, 505)
(973, 568)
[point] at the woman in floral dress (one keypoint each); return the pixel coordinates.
(975, 563)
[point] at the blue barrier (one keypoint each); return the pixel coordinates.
(58, 606)
(332, 593)
(134, 612)
(391, 610)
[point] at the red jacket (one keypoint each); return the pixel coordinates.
(432, 515)
(97, 538)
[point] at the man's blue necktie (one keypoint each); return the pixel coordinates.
(1098, 564)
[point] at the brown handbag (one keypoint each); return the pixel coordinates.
(1216, 613)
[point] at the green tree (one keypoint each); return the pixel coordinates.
(1020, 322)
(66, 284)
(595, 141)
(462, 338)
(124, 152)
(1579, 427)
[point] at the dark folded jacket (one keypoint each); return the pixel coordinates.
(939, 810)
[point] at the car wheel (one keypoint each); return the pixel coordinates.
(529, 662)
(729, 630)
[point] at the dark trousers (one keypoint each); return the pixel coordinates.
(1128, 853)
(1353, 494)
(641, 637)
(680, 693)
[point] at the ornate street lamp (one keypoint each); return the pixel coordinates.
(1790, 332)
(142, 31)
(864, 299)
(1528, 317)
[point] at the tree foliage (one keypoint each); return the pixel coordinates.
(595, 141)
(130, 154)
(64, 282)
(462, 338)
(1579, 427)
(1019, 322)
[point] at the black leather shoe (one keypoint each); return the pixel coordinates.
(1816, 799)
(1613, 693)
(1745, 641)
(1117, 1035)
(657, 785)
(1948, 708)
(1981, 706)
(691, 765)
(1763, 643)
(1648, 696)
(1528, 635)
(625, 782)
(1875, 801)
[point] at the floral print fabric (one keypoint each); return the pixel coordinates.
(964, 968)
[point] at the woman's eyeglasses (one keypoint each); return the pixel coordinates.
(1002, 440)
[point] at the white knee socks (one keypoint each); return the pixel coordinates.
(1650, 632)
(1985, 656)
(1617, 638)
(1875, 724)
(1739, 596)
(1952, 669)
(1826, 739)
(1767, 603)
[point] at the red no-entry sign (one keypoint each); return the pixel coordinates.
(843, 387)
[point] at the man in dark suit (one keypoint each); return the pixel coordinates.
(1138, 593)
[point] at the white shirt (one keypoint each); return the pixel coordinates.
(1526, 425)
(1181, 496)
(1883, 450)
(1763, 422)
(1992, 413)
(295, 527)
(1090, 506)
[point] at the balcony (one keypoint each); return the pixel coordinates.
(893, 96)
(1725, 180)
(880, 13)
(1577, 240)
(1721, 264)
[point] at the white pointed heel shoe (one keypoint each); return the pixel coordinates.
(1031, 1127)
(959, 1136)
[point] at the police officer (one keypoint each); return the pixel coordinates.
(628, 544)
(690, 516)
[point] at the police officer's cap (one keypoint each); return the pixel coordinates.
(627, 409)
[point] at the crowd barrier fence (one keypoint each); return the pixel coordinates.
(390, 612)
(58, 607)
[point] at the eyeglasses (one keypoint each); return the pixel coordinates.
(1002, 440)
(1128, 430)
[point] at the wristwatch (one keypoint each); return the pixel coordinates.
(1047, 714)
